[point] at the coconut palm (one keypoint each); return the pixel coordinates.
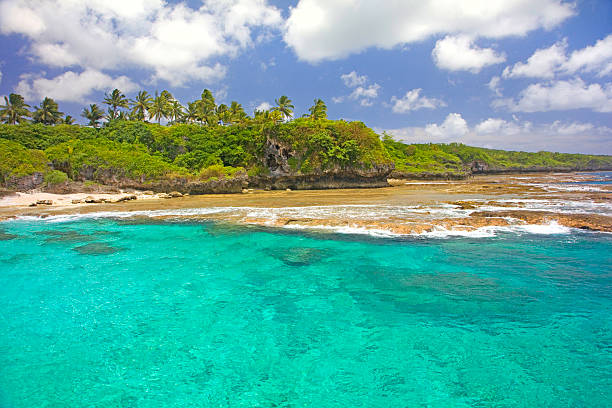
(237, 113)
(14, 109)
(223, 113)
(93, 114)
(159, 107)
(141, 105)
(47, 113)
(318, 110)
(115, 100)
(68, 120)
(176, 111)
(192, 112)
(284, 106)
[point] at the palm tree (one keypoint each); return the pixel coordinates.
(192, 112)
(141, 105)
(93, 114)
(223, 114)
(237, 113)
(318, 110)
(284, 106)
(159, 107)
(68, 120)
(47, 112)
(207, 108)
(115, 100)
(14, 109)
(176, 111)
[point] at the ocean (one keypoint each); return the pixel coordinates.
(141, 312)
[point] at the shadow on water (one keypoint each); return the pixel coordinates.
(96, 248)
(5, 236)
(297, 256)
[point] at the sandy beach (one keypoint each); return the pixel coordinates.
(477, 206)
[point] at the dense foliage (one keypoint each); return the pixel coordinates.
(456, 159)
(209, 142)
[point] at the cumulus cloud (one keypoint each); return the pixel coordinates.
(514, 134)
(71, 86)
(596, 58)
(560, 95)
(353, 79)
(414, 101)
(264, 106)
(454, 127)
(362, 91)
(331, 29)
(494, 86)
(554, 60)
(172, 41)
(459, 53)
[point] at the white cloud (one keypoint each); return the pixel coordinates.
(361, 91)
(332, 29)
(494, 86)
(542, 64)
(459, 53)
(561, 95)
(596, 58)
(369, 92)
(71, 86)
(453, 128)
(172, 41)
(496, 133)
(414, 101)
(264, 106)
(353, 79)
(553, 61)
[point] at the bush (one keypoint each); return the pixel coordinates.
(55, 177)
(217, 171)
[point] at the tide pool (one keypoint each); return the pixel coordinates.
(131, 313)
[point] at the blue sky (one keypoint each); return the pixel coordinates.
(513, 74)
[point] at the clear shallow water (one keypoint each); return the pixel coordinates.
(114, 313)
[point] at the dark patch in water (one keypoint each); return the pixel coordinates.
(96, 248)
(297, 256)
(70, 237)
(4, 236)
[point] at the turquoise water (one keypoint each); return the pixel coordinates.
(111, 313)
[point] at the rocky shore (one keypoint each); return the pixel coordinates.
(478, 205)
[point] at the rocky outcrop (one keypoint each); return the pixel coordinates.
(189, 186)
(25, 183)
(397, 174)
(282, 176)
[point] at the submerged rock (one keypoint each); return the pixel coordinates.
(4, 236)
(297, 256)
(96, 248)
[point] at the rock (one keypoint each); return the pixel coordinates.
(77, 201)
(164, 195)
(175, 194)
(244, 191)
(125, 198)
(44, 202)
(288, 189)
(32, 205)
(92, 200)
(148, 192)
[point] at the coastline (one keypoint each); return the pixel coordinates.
(479, 206)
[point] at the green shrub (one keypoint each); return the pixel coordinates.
(55, 177)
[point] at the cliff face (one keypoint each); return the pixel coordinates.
(277, 158)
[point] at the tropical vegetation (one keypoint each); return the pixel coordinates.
(203, 140)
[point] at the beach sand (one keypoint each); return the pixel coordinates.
(474, 206)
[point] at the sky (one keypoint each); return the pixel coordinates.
(511, 74)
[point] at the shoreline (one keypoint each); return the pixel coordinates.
(477, 206)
